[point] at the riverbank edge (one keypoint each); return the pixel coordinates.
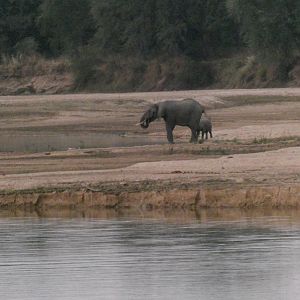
(181, 197)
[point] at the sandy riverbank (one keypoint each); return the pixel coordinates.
(253, 159)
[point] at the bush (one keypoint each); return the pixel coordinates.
(194, 75)
(85, 67)
(27, 46)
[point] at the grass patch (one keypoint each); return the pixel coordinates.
(236, 141)
(38, 190)
(205, 151)
(246, 71)
(264, 140)
(22, 66)
(236, 146)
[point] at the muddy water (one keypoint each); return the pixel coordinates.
(211, 257)
(60, 141)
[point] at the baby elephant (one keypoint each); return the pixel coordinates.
(205, 126)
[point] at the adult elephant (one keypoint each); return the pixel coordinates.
(186, 112)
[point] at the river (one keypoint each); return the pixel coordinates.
(252, 256)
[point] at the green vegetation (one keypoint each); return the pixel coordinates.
(156, 44)
(285, 139)
(271, 29)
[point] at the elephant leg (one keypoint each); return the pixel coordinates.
(206, 135)
(210, 134)
(197, 135)
(202, 135)
(170, 133)
(194, 136)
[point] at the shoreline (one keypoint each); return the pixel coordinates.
(152, 196)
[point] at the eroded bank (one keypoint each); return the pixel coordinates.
(282, 196)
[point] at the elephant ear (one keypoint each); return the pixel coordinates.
(154, 112)
(161, 110)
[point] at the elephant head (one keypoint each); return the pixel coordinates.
(149, 116)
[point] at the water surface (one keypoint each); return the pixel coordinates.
(250, 257)
(57, 141)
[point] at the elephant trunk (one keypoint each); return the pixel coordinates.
(149, 116)
(145, 123)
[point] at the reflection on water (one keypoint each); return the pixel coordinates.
(210, 255)
(61, 141)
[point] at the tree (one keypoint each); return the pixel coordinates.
(17, 25)
(125, 26)
(66, 24)
(196, 28)
(271, 28)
